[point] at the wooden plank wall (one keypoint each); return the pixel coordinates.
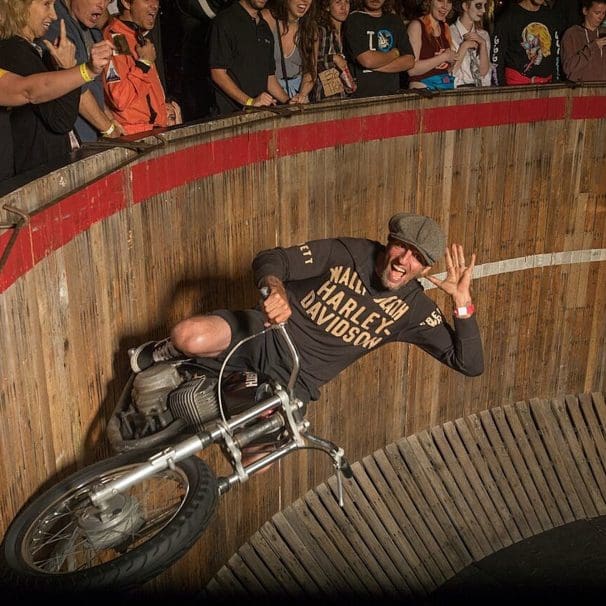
(166, 235)
(424, 508)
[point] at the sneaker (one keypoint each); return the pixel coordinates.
(149, 353)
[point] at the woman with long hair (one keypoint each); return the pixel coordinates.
(41, 133)
(331, 16)
(294, 27)
(431, 43)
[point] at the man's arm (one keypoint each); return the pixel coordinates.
(406, 59)
(226, 83)
(372, 59)
(132, 71)
(275, 266)
(90, 110)
(402, 64)
(300, 262)
(460, 349)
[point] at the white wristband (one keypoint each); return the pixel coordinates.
(465, 311)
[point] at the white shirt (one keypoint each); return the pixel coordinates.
(465, 75)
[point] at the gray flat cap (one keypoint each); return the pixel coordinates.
(421, 232)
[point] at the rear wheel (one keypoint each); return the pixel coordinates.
(60, 542)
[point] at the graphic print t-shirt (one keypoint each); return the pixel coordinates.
(363, 32)
(528, 42)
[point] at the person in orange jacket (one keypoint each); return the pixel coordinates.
(132, 86)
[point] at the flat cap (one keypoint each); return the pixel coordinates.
(421, 232)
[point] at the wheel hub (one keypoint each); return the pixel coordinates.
(112, 524)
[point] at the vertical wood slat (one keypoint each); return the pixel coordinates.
(521, 469)
(432, 495)
(575, 493)
(359, 537)
(403, 498)
(308, 561)
(592, 501)
(491, 503)
(482, 466)
(545, 496)
(355, 564)
(376, 536)
(407, 561)
(498, 474)
(324, 549)
(410, 519)
(535, 439)
(511, 475)
(467, 501)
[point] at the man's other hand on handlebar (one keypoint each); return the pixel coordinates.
(276, 306)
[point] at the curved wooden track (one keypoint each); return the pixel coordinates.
(113, 249)
(425, 507)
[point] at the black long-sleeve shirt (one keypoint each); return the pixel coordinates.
(40, 131)
(342, 312)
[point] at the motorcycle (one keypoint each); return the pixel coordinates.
(120, 522)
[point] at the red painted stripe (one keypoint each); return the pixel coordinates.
(482, 115)
(299, 139)
(54, 227)
(19, 260)
(173, 170)
(588, 108)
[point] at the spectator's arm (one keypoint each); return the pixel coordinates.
(37, 88)
(275, 90)
(376, 59)
(422, 66)
(402, 64)
(226, 83)
(92, 113)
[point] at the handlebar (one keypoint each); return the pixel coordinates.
(294, 373)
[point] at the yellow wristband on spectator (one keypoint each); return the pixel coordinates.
(109, 131)
(84, 73)
(145, 62)
(249, 101)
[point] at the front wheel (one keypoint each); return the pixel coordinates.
(60, 542)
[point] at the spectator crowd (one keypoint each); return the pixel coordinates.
(262, 53)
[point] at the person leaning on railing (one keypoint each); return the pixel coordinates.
(26, 82)
(583, 52)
